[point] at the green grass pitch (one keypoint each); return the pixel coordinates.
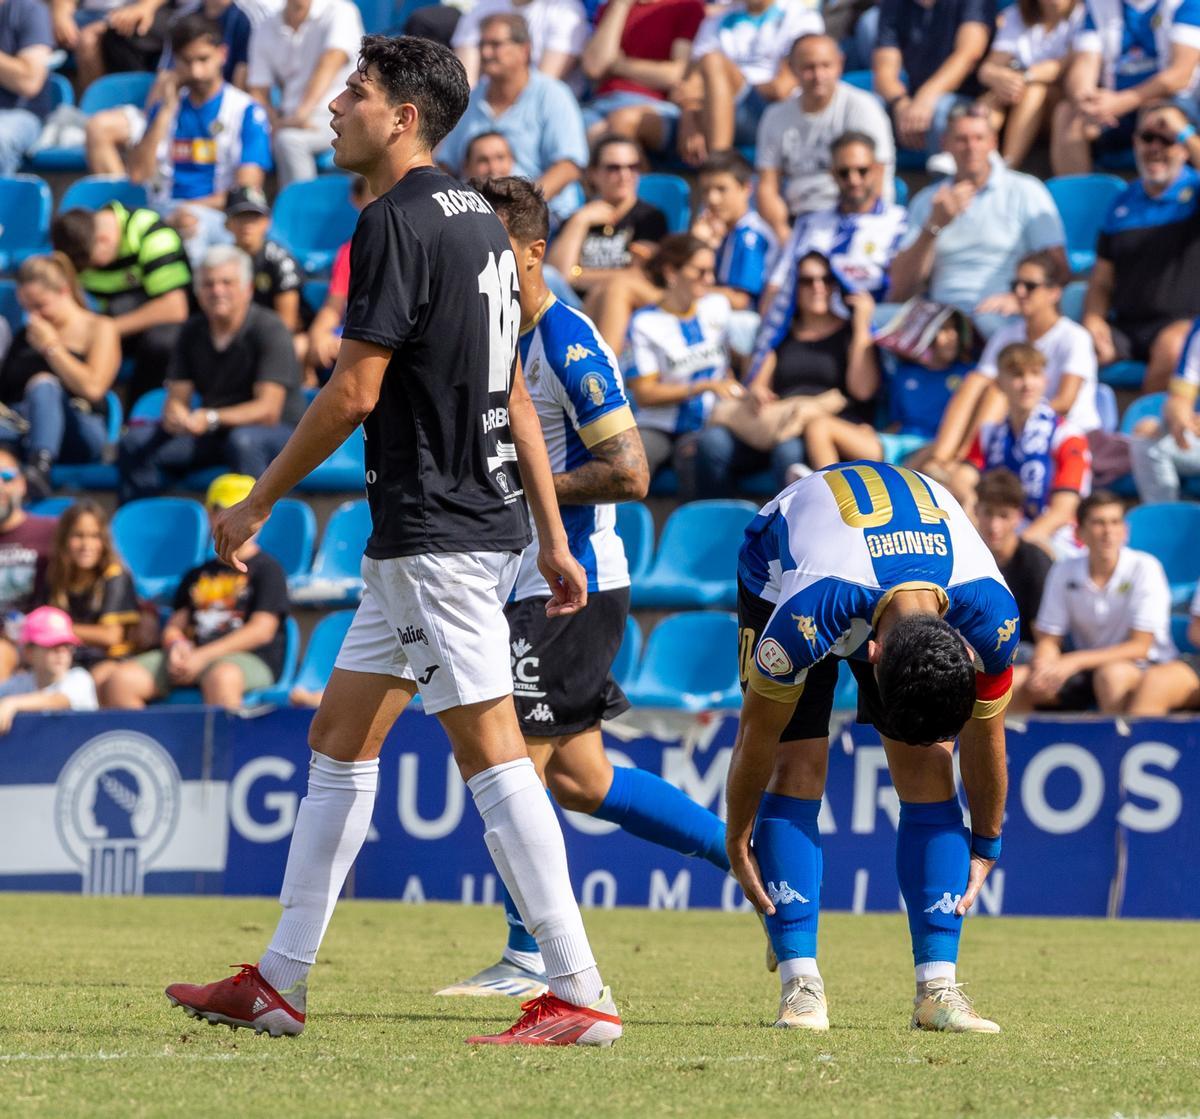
(1101, 1019)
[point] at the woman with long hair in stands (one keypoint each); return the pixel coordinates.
(87, 579)
(55, 376)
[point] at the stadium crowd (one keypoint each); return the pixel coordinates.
(779, 301)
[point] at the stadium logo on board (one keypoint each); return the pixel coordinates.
(772, 658)
(116, 809)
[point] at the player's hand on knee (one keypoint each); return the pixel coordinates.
(980, 869)
(744, 867)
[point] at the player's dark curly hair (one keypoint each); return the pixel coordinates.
(926, 681)
(423, 73)
(519, 204)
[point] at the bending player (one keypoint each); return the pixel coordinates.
(880, 565)
(427, 365)
(563, 686)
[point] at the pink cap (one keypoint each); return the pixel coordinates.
(48, 626)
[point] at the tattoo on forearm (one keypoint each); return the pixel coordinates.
(617, 472)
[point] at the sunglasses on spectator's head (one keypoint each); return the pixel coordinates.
(844, 173)
(1147, 136)
(8, 475)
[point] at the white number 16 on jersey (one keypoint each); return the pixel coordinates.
(499, 285)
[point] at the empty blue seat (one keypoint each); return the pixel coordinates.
(25, 209)
(1083, 201)
(1124, 374)
(845, 697)
(160, 538)
(290, 535)
(322, 651)
(696, 562)
(148, 408)
(93, 475)
(61, 91)
(860, 79)
(51, 506)
(93, 191)
(690, 663)
(343, 471)
(1072, 300)
(181, 697)
(670, 194)
(335, 578)
(1170, 530)
(314, 219)
(626, 661)
(635, 527)
(112, 90)
(1106, 406)
(1149, 406)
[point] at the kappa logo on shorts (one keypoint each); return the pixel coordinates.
(772, 658)
(412, 635)
(541, 713)
(427, 675)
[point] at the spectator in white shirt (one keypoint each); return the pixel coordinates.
(1114, 605)
(558, 30)
(48, 641)
(795, 138)
(1023, 72)
(306, 52)
(739, 66)
(1173, 685)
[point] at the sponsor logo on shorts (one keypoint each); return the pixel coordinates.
(427, 675)
(541, 713)
(526, 670)
(772, 658)
(412, 635)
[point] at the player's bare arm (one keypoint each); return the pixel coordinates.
(567, 581)
(617, 472)
(985, 777)
(750, 767)
(338, 409)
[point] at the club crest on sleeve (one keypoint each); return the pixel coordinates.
(595, 386)
(772, 658)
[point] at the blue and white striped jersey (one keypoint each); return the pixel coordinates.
(831, 550)
(577, 389)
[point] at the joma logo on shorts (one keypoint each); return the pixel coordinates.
(410, 635)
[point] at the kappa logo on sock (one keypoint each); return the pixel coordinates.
(946, 904)
(783, 894)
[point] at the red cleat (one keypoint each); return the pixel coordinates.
(550, 1021)
(245, 1000)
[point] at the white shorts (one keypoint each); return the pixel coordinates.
(437, 620)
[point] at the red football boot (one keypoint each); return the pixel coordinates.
(550, 1021)
(245, 999)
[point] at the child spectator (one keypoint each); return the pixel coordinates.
(26, 541)
(57, 372)
(226, 634)
(87, 580)
(50, 683)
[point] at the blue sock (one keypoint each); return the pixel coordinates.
(519, 938)
(933, 856)
(651, 808)
(787, 844)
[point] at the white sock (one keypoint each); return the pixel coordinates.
(937, 969)
(805, 965)
(331, 827)
(526, 843)
(526, 961)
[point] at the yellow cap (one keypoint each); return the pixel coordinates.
(227, 490)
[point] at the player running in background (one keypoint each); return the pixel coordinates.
(878, 564)
(562, 684)
(427, 366)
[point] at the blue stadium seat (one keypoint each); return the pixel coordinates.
(335, 578)
(148, 408)
(901, 191)
(160, 538)
(1106, 405)
(635, 527)
(1150, 405)
(290, 535)
(61, 91)
(860, 79)
(343, 471)
(313, 294)
(10, 310)
(314, 219)
(670, 194)
(629, 654)
(1179, 633)
(1083, 201)
(113, 90)
(51, 506)
(696, 561)
(181, 697)
(93, 475)
(690, 663)
(93, 191)
(1170, 530)
(317, 665)
(25, 209)
(1072, 300)
(1124, 374)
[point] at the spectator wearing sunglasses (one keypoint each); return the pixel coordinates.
(1142, 293)
(796, 135)
(1127, 56)
(1070, 365)
(26, 541)
(966, 233)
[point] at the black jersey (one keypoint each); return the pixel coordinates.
(434, 279)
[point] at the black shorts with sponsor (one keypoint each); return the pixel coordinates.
(561, 678)
(815, 705)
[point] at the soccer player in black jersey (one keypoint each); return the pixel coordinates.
(454, 454)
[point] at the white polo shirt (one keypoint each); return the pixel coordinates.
(1137, 597)
(285, 58)
(1067, 348)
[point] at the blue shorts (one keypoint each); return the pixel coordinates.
(600, 107)
(748, 111)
